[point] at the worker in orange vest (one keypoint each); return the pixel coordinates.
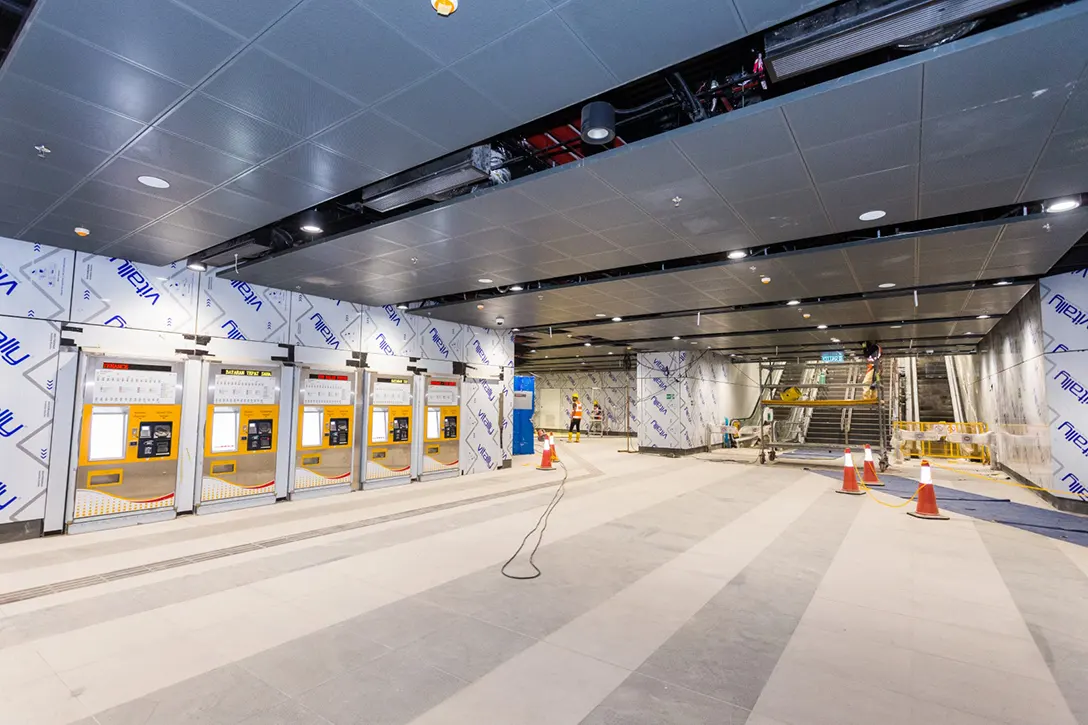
(575, 419)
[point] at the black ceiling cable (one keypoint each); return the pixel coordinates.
(542, 526)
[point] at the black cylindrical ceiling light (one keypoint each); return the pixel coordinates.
(310, 222)
(598, 123)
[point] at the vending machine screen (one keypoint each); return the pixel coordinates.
(260, 435)
(338, 432)
(400, 430)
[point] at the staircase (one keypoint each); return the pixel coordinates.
(934, 392)
(825, 425)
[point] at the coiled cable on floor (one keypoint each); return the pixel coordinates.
(541, 526)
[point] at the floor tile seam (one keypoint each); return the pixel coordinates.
(692, 690)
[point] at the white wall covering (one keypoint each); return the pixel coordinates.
(610, 388)
(480, 446)
(28, 372)
(440, 340)
(389, 331)
(330, 324)
(118, 293)
(35, 280)
(240, 311)
(489, 347)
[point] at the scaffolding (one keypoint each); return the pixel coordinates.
(804, 398)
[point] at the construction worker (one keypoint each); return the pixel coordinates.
(575, 419)
(872, 353)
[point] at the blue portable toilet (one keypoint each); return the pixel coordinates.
(524, 401)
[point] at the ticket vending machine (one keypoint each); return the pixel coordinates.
(438, 407)
(325, 442)
(241, 432)
(125, 461)
(389, 430)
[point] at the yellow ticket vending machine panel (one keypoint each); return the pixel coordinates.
(127, 460)
(389, 428)
(442, 431)
(324, 446)
(240, 433)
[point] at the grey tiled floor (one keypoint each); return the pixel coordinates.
(674, 591)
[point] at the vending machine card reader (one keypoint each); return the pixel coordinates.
(239, 458)
(442, 414)
(127, 452)
(388, 457)
(325, 444)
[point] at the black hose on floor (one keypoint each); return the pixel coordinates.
(542, 526)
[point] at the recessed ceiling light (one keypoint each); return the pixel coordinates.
(196, 265)
(929, 352)
(600, 314)
(402, 306)
(617, 319)
(546, 356)
(1002, 283)
(694, 342)
(835, 339)
(896, 327)
(154, 182)
(983, 317)
(793, 303)
(872, 216)
(311, 229)
(611, 353)
(583, 363)
(516, 329)
(516, 288)
(589, 344)
(886, 285)
(1059, 205)
(821, 327)
(676, 337)
(737, 254)
(479, 306)
(765, 280)
(806, 315)
(532, 351)
(485, 280)
(82, 231)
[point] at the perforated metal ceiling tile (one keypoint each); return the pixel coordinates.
(182, 235)
(1039, 53)
(1047, 183)
(269, 89)
(209, 122)
(467, 117)
(79, 213)
(737, 139)
(1076, 110)
(279, 190)
(245, 17)
(452, 220)
(772, 176)
(343, 43)
(28, 171)
(977, 196)
(582, 245)
(151, 250)
(366, 243)
(379, 143)
(125, 173)
(549, 228)
(979, 167)
(648, 165)
(1066, 149)
(192, 218)
(608, 260)
(241, 206)
(780, 208)
(848, 216)
(568, 187)
(19, 141)
(53, 59)
(860, 191)
(19, 206)
(407, 233)
(114, 197)
(506, 205)
(174, 153)
(156, 34)
(504, 240)
(500, 70)
(62, 229)
(606, 215)
(867, 154)
(633, 42)
(661, 251)
(1026, 121)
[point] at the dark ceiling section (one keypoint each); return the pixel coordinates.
(256, 109)
(993, 119)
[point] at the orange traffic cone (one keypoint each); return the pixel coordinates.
(849, 477)
(555, 448)
(927, 497)
(546, 457)
(868, 472)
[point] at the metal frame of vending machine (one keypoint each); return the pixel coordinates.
(328, 429)
(125, 462)
(390, 427)
(246, 445)
(437, 446)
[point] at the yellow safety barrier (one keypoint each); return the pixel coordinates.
(943, 440)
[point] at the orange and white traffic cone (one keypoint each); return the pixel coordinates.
(849, 477)
(555, 448)
(868, 472)
(927, 497)
(546, 457)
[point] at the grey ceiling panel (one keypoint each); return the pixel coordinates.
(505, 206)
(123, 199)
(261, 85)
(56, 115)
(125, 172)
(1076, 110)
(19, 205)
(18, 141)
(322, 168)
(474, 25)
(790, 227)
(637, 235)
(56, 60)
(679, 198)
(549, 228)
(245, 17)
(181, 235)
(174, 153)
(713, 222)
(745, 137)
(582, 245)
(879, 150)
(467, 117)
(62, 239)
(633, 44)
(847, 216)
(859, 191)
(366, 243)
(278, 190)
(780, 208)
(1005, 64)
(452, 220)
(759, 14)
(379, 143)
(240, 206)
(609, 260)
(1066, 149)
(220, 226)
(712, 243)
(977, 196)
(78, 213)
(344, 43)
(1009, 161)
(773, 176)
(570, 187)
(607, 215)
(153, 249)
(500, 69)
(211, 123)
(662, 251)
(1023, 122)
(27, 170)
(1045, 183)
(626, 169)
(490, 241)
(156, 34)
(99, 236)
(857, 107)
(408, 233)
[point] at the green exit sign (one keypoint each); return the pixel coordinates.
(670, 396)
